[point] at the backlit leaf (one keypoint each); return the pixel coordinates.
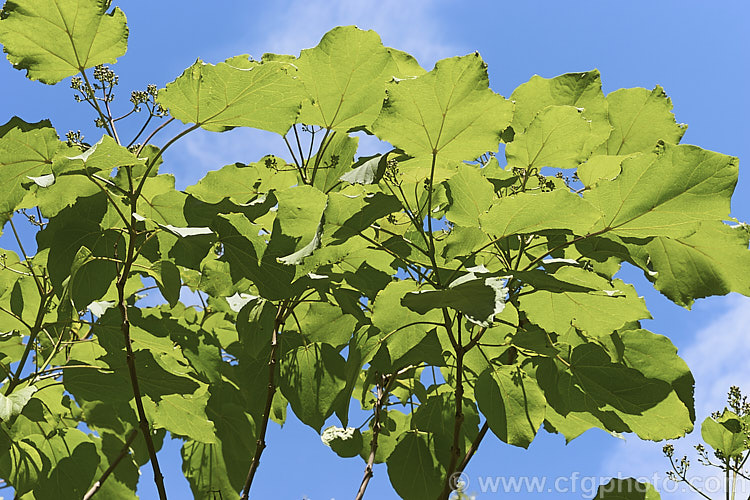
(53, 39)
(344, 77)
(235, 93)
(449, 112)
(667, 193)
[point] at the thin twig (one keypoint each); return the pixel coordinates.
(299, 146)
(94, 103)
(30, 264)
(152, 161)
(111, 120)
(143, 129)
(125, 449)
(152, 134)
(33, 332)
(296, 163)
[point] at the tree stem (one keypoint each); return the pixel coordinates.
(473, 448)
(459, 416)
(374, 442)
(122, 305)
(261, 442)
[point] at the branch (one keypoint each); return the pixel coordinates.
(473, 448)
(319, 155)
(93, 102)
(29, 263)
(156, 157)
(33, 332)
(261, 442)
(459, 397)
(373, 442)
(111, 468)
(296, 163)
(122, 305)
(110, 120)
(299, 147)
(684, 479)
(429, 218)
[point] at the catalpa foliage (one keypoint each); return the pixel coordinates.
(448, 290)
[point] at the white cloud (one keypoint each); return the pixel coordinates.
(717, 356)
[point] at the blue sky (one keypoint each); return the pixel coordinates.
(698, 51)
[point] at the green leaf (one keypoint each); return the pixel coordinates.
(656, 357)
(352, 210)
(235, 93)
(238, 182)
(449, 112)
(437, 414)
(298, 257)
(167, 278)
(512, 403)
(529, 213)
(21, 465)
(26, 150)
(725, 434)
(345, 442)
(323, 322)
(205, 469)
(74, 227)
(599, 167)
(298, 216)
(13, 404)
(412, 468)
(53, 39)
(245, 251)
(626, 489)
(75, 461)
(334, 162)
(405, 333)
(344, 77)
(298, 226)
(406, 65)
(667, 193)
(122, 483)
(480, 299)
(90, 278)
(232, 414)
(607, 383)
(598, 311)
(714, 260)
(311, 377)
(105, 155)
(470, 196)
(640, 118)
(581, 90)
(184, 415)
(557, 137)
(393, 425)
(20, 303)
(367, 170)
